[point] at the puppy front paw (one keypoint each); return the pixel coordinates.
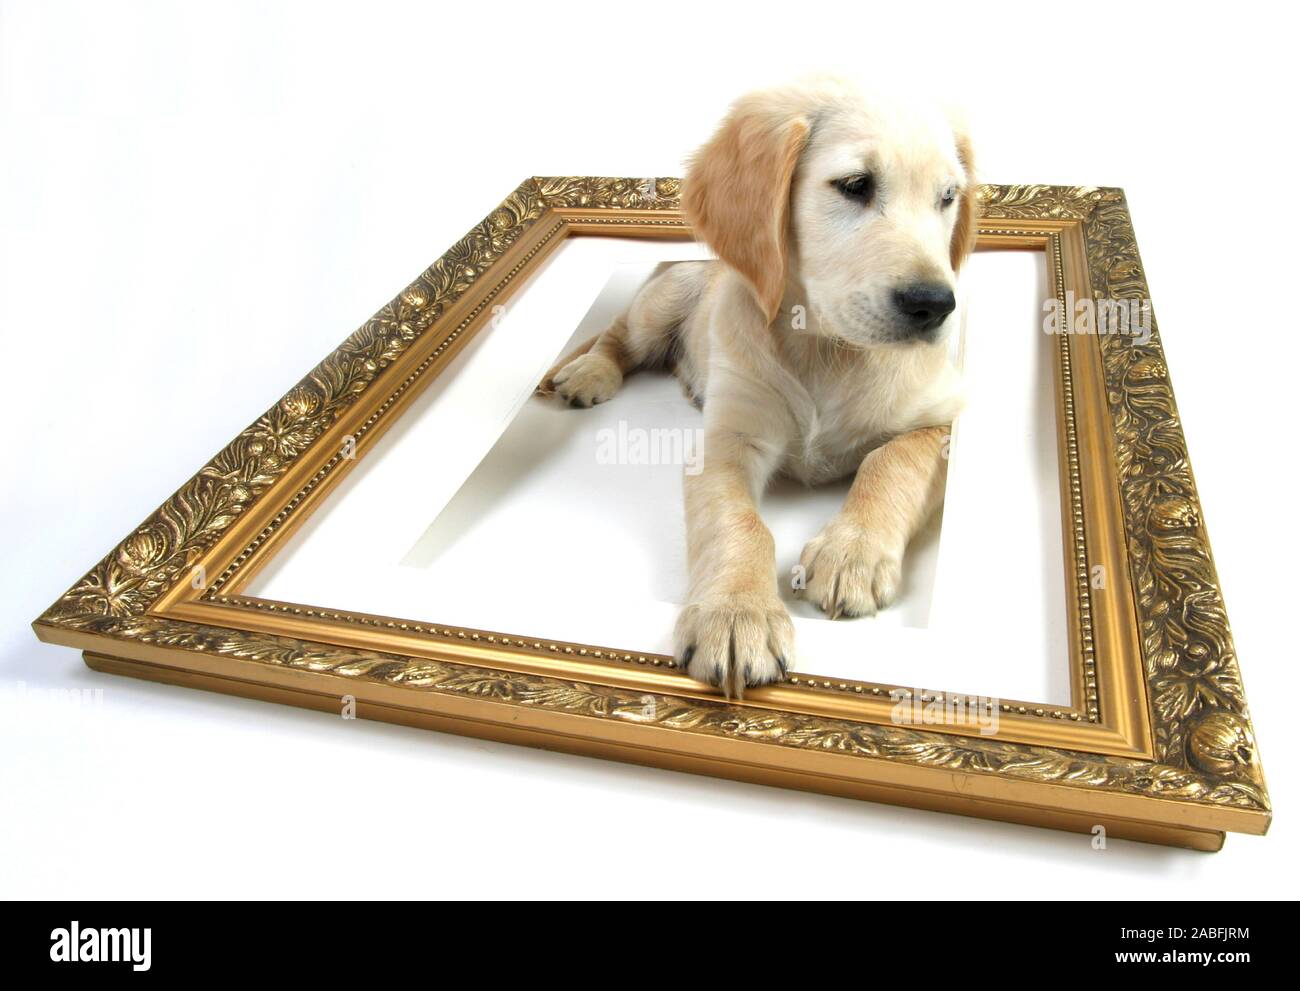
(587, 380)
(849, 570)
(735, 641)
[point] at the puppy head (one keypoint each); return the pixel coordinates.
(865, 207)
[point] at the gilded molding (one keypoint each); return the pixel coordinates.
(1044, 202)
(978, 755)
(574, 192)
(1191, 667)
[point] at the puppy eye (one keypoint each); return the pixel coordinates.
(860, 187)
(949, 196)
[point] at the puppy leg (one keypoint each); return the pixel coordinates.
(734, 631)
(641, 338)
(854, 566)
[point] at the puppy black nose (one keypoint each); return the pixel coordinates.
(924, 306)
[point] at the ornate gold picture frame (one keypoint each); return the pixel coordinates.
(1155, 745)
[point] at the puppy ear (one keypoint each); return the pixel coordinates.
(736, 195)
(966, 229)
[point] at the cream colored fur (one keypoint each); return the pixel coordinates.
(793, 344)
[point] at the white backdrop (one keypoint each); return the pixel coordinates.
(229, 190)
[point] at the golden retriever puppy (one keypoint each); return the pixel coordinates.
(816, 345)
